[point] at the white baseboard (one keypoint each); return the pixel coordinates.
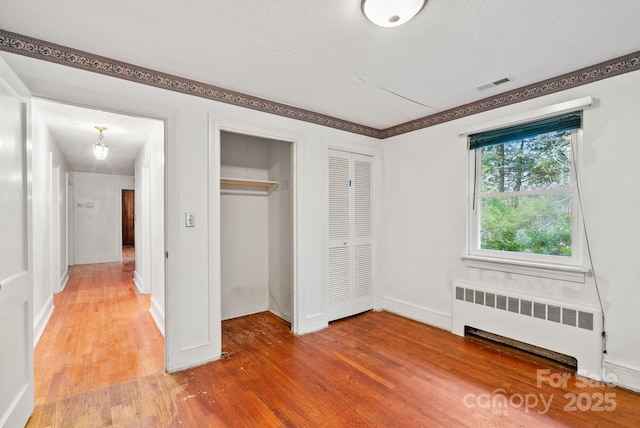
(417, 313)
(280, 315)
(64, 279)
(246, 311)
(41, 320)
(311, 323)
(137, 280)
(622, 375)
(97, 259)
(157, 313)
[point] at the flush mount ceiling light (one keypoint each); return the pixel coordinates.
(100, 149)
(391, 13)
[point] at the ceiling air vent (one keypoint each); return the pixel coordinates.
(494, 83)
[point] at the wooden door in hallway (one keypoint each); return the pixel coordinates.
(128, 217)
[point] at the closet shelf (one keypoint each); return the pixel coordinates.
(251, 183)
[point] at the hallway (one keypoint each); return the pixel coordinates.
(100, 334)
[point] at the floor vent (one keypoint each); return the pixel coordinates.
(486, 336)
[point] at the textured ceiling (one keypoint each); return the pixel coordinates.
(324, 56)
(73, 129)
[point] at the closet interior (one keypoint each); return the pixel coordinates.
(256, 224)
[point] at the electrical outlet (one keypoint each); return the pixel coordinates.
(190, 219)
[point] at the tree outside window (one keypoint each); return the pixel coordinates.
(525, 195)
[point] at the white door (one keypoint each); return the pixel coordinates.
(362, 234)
(16, 288)
(350, 246)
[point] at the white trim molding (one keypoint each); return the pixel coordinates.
(138, 281)
(540, 270)
(41, 320)
(417, 313)
(621, 374)
(157, 314)
(64, 278)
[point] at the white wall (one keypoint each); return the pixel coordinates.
(47, 277)
(193, 329)
(149, 274)
(97, 216)
(425, 210)
(244, 255)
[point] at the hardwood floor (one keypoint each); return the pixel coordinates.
(100, 334)
(128, 255)
(375, 369)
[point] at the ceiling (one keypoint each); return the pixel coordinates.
(73, 129)
(324, 56)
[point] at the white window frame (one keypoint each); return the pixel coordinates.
(555, 267)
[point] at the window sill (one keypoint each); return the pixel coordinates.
(540, 270)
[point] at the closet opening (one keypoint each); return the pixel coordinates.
(256, 226)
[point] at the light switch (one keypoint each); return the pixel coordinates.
(190, 219)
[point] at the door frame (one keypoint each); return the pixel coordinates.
(55, 228)
(215, 288)
(70, 219)
(169, 117)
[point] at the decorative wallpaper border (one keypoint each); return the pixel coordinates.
(604, 70)
(46, 51)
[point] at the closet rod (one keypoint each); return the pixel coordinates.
(248, 183)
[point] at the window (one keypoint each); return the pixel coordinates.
(525, 201)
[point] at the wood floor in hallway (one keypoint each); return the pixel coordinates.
(100, 334)
(375, 369)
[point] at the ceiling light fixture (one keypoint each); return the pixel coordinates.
(100, 149)
(391, 13)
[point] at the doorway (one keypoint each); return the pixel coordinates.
(58, 250)
(128, 227)
(128, 217)
(256, 226)
(125, 322)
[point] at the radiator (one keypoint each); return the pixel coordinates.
(555, 325)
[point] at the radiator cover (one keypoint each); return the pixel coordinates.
(559, 326)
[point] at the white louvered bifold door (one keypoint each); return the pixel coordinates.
(362, 234)
(350, 280)
(340, 225)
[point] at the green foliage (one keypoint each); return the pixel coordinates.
(533, 224)
(542, 162)
(527, 222)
